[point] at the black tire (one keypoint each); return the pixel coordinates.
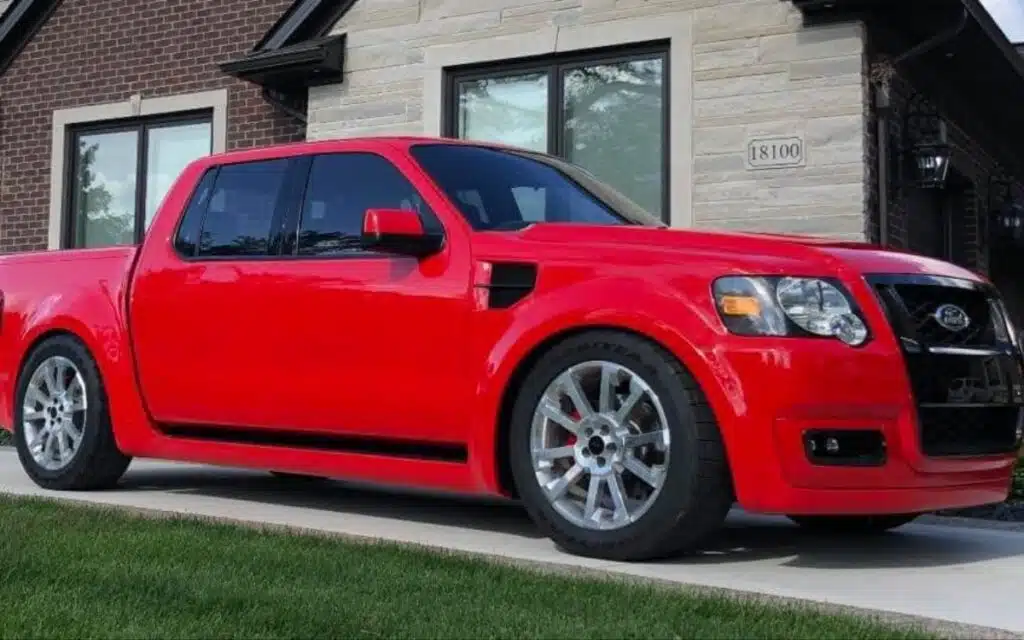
(697, 493)
(97, 463)
(857, 525)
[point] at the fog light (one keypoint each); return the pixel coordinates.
(845, 447)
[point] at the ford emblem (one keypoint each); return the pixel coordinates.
(952, 317)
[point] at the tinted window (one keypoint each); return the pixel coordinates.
(341, 188)
(188, 231)
(504, 189)
(241, 208)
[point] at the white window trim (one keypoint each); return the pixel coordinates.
(134, 107)
(677, 28)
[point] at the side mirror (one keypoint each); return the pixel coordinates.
(398, 231)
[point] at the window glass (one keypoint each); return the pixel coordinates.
(241, 210)
(169, 149)
(605, 115)
(103, 202)
(187, 238)
(614, 121)
(342, 186)
(498, 189)
(507, 109)
(107, 177)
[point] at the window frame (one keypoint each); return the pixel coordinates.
(554, 67)
(296, 170)
(283, 241)
(140, 125)
(289, 248)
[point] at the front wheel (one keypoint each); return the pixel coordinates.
(615, 452)
(62, 428)
(853, 524)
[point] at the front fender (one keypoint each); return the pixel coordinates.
(679, 323)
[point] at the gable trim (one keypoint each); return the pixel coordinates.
(20, 24)
(304, 20)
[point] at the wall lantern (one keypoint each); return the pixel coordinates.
(931, 157)
(1009, 222)
(926, 143)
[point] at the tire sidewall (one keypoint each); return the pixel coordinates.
(94, 414)
(677, 494)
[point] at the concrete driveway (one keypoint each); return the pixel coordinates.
(956, 574)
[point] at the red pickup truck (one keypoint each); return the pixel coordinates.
(476, 318)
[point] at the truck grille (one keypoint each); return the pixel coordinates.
(968, 385)
(921, 301)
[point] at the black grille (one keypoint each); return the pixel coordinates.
(959, 431)
(968, 385)
(922, 301)
(916, 303)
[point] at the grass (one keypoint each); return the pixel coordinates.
(69, 571)
(5, 438)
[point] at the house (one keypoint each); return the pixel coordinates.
(893, 122)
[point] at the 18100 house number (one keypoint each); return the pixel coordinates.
(775, 152)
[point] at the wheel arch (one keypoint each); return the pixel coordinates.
(32, 341)
(501, 458)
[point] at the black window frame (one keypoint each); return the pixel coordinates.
(140, 125)
(555, 66)
(283, 242)
(296, 170)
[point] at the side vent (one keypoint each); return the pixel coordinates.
(510, 283)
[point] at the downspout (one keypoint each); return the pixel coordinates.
(882, 77)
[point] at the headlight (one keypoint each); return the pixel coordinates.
(771, 306)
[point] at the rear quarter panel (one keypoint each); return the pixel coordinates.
(78, 292)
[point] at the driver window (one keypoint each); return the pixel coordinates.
(340, 188)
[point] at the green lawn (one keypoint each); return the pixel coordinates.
(79, 572)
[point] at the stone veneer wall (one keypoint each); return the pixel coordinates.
(750, 67)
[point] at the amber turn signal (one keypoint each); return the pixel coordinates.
(740, 306)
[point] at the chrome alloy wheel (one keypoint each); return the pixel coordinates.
(53, 413)
(600, 445)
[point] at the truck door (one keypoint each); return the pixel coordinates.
(266, 315)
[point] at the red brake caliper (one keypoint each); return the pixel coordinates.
(575, 415)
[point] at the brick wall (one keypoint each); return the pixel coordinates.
(980, 183)
(754, 69)
(99, 51)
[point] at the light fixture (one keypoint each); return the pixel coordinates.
(1009, 220)
(931, 157)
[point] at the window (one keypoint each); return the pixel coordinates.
(240, 209)
(604, 112)
(341, 187)
(121, 172)
(506, 190)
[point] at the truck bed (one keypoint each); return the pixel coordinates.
(78, 290)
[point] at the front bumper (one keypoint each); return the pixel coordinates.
(943, 411)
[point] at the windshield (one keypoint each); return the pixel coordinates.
(503, 189)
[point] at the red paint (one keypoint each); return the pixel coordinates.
(406, 348)
(392, 221)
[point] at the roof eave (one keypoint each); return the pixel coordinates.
(19, 25)
(295, 67)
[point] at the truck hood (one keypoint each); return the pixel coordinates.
(732, 251)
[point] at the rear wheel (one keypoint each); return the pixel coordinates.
(615, 452)
(62, 428)
(853, 524)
